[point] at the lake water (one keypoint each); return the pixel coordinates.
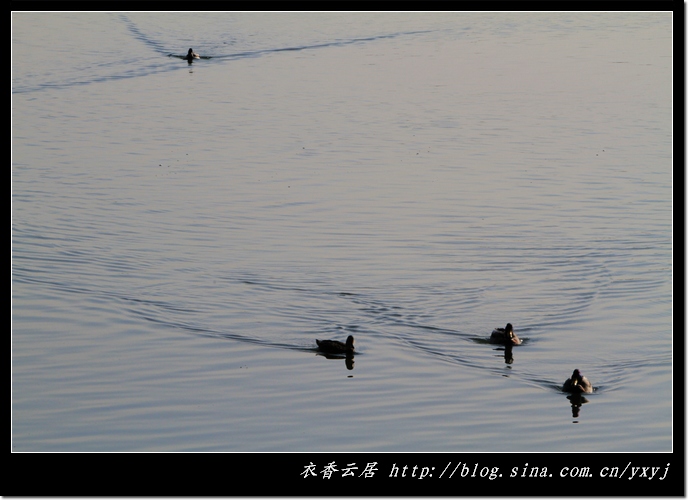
(182, 233)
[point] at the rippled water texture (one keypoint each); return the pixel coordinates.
(182, 233)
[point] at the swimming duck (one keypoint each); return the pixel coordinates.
(504, 335)
(577, 383)
(334, 346)
(191, 55)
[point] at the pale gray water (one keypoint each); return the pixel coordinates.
(182, 234)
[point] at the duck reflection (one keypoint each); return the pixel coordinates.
(508, 354)
(577, 400)
(348, 358)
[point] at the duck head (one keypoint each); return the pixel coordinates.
(510, 335)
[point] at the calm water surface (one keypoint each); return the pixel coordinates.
(181, 234)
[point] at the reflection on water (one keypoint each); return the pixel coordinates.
(508, 351)
(577, 400)
(508, 354)
(348, 358)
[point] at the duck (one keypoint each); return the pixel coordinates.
(577, 383)
(504, 335)
(335, 346)
(191, 55)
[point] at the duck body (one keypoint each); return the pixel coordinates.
(505, 336)
(335, 346)
(577, 383)
(191, 55)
